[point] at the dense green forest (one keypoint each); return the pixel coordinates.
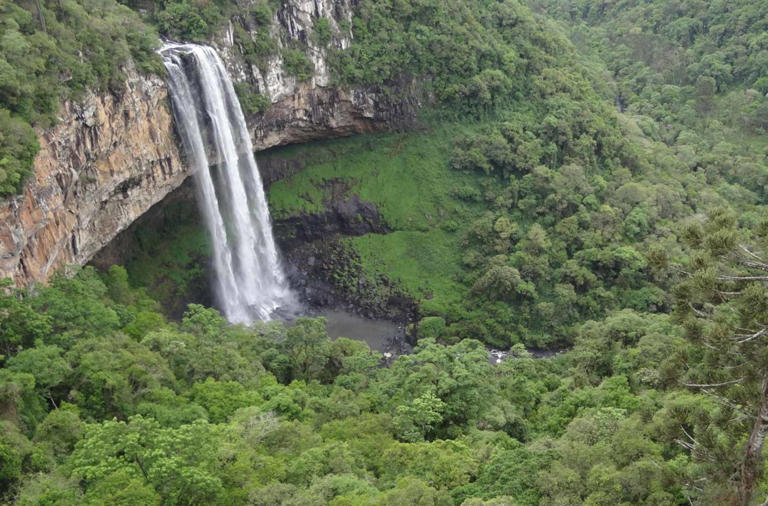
(588, 177)
(104, 400)
(532, 215)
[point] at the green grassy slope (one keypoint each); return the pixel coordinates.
(408, 178)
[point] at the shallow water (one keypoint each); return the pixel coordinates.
(379, 334)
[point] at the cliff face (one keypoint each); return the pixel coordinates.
(108, 160)
(112, 156)
(315, 108)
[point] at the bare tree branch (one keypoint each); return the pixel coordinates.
(755, 265)
(40, 15)
(746, 338)
(699, 312)
(750, 253)
(694, 447)
(689, 436)
(710, 385)
(742, 278)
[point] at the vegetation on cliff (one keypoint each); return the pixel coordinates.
(53, 51)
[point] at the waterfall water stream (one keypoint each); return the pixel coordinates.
(249, 280)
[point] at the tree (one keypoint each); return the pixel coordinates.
(413, 421)
(112, 374)
(203, 321)
(61, 429)
(179, 465)
(457, 375)
(723, 303)
(46, 364)
(77, 306)
(307, 345)
(40, 15)
(222, 398)
(20, 324)
(10, 462)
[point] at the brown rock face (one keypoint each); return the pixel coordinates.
(112, 157)
(315, 108)
(109, 159)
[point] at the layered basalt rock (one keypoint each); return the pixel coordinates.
(315, 108)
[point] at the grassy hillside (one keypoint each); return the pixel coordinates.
(484, 250)
(407, 177)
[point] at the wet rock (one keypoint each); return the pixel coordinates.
(350, 217)
(327, 273)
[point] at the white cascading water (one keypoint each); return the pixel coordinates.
(249, 280)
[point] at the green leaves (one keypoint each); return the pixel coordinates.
(415, 420)
(297, 63)
(46, 363)
(191, 415)
(18, 147)
(222, 399)
(477, 56)
(20, 323)
(178, 464)
(183, 21)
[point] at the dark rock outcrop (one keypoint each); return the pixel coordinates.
(312, 113)
(328, 273)
(349, 217)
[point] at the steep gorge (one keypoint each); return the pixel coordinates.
(112, 156)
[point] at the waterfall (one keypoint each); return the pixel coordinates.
(249, 280)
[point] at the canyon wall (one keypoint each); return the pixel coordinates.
(113, 156)
(301, 111)
(108, 160)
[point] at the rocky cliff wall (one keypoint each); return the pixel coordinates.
(108, 160)
(315, 108)
(113, 156)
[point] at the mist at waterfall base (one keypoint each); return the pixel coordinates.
(249, 282)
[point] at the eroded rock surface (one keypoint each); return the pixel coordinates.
(108, 160)
(315, 108)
